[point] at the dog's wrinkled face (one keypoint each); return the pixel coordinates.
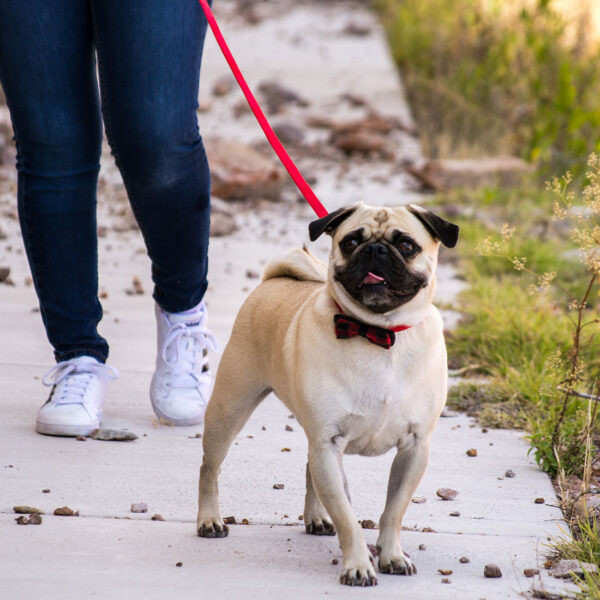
(377, 267)
(384, 257)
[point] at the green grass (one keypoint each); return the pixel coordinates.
(509, 335)
(482, 78)
(583, 546)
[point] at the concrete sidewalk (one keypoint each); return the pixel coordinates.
(109, 552)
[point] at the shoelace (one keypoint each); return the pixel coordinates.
(75, 378)
(181, 349)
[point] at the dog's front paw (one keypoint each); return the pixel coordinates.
(398, 564)
(212, 528)
(319, 527)
(355, 573)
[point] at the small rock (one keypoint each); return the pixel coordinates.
(355, 99)
(320, 122)
(565, 568)
(539, 501)
(196, 436)
(229, 520)
(245, 522)
(81, 438)
(240, 108)
(472, 452)
(278, 486)
(136, 285)
(335, 561)
(289, 428)
(139, 507)
(357, 29)
(446, 174)
(509, 473)
(27, 510)
(428, 530)
(286, 449)
(367, 524)
(251, 274)
(422, 547)
(276, 96)
(448, 414)
(484, 430)
(113, 435)
(463, 560)
(179, 564)
(239, 171)
(445, 580)
(156, 517)
(223, 85)
(455, 514)
(4, 273)
(445, 571)
(447, 493)
(204, 105)
(46, 491)
(222, 224)
(289, 133)
(419, 499)
(492, 571)
(530, 572)
(362, 142)
(65, 511)
(32, 519)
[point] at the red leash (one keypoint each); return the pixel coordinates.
(281, 152)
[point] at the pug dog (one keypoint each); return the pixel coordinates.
(355, 350)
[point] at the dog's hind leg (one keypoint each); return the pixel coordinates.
(316, 519)
(235, 396)
(406, 473)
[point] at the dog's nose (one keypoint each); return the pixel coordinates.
(377, 250)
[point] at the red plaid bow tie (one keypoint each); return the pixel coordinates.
(349, 327)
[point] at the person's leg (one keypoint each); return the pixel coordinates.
(149, 54)
(48, 75)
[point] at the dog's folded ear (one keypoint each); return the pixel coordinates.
(328, 223)
(439, 228)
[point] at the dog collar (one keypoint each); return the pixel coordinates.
(347, 327)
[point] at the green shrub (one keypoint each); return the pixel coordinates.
(481, 78)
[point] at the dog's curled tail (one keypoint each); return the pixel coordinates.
(297, 264)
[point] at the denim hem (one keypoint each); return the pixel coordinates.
(69, 354)
(177, 305)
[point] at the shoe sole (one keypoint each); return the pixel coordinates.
(176, 422)
(64, 430)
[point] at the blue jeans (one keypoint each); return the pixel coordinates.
(149, 54)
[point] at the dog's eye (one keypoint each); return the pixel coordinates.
(406, 246)
(349, 244)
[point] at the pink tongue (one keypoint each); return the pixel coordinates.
(371, 278)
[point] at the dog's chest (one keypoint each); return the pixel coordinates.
(379, 415)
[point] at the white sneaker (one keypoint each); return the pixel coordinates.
(180, 388)
(75, 403)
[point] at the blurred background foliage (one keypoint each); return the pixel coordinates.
(497, 77)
